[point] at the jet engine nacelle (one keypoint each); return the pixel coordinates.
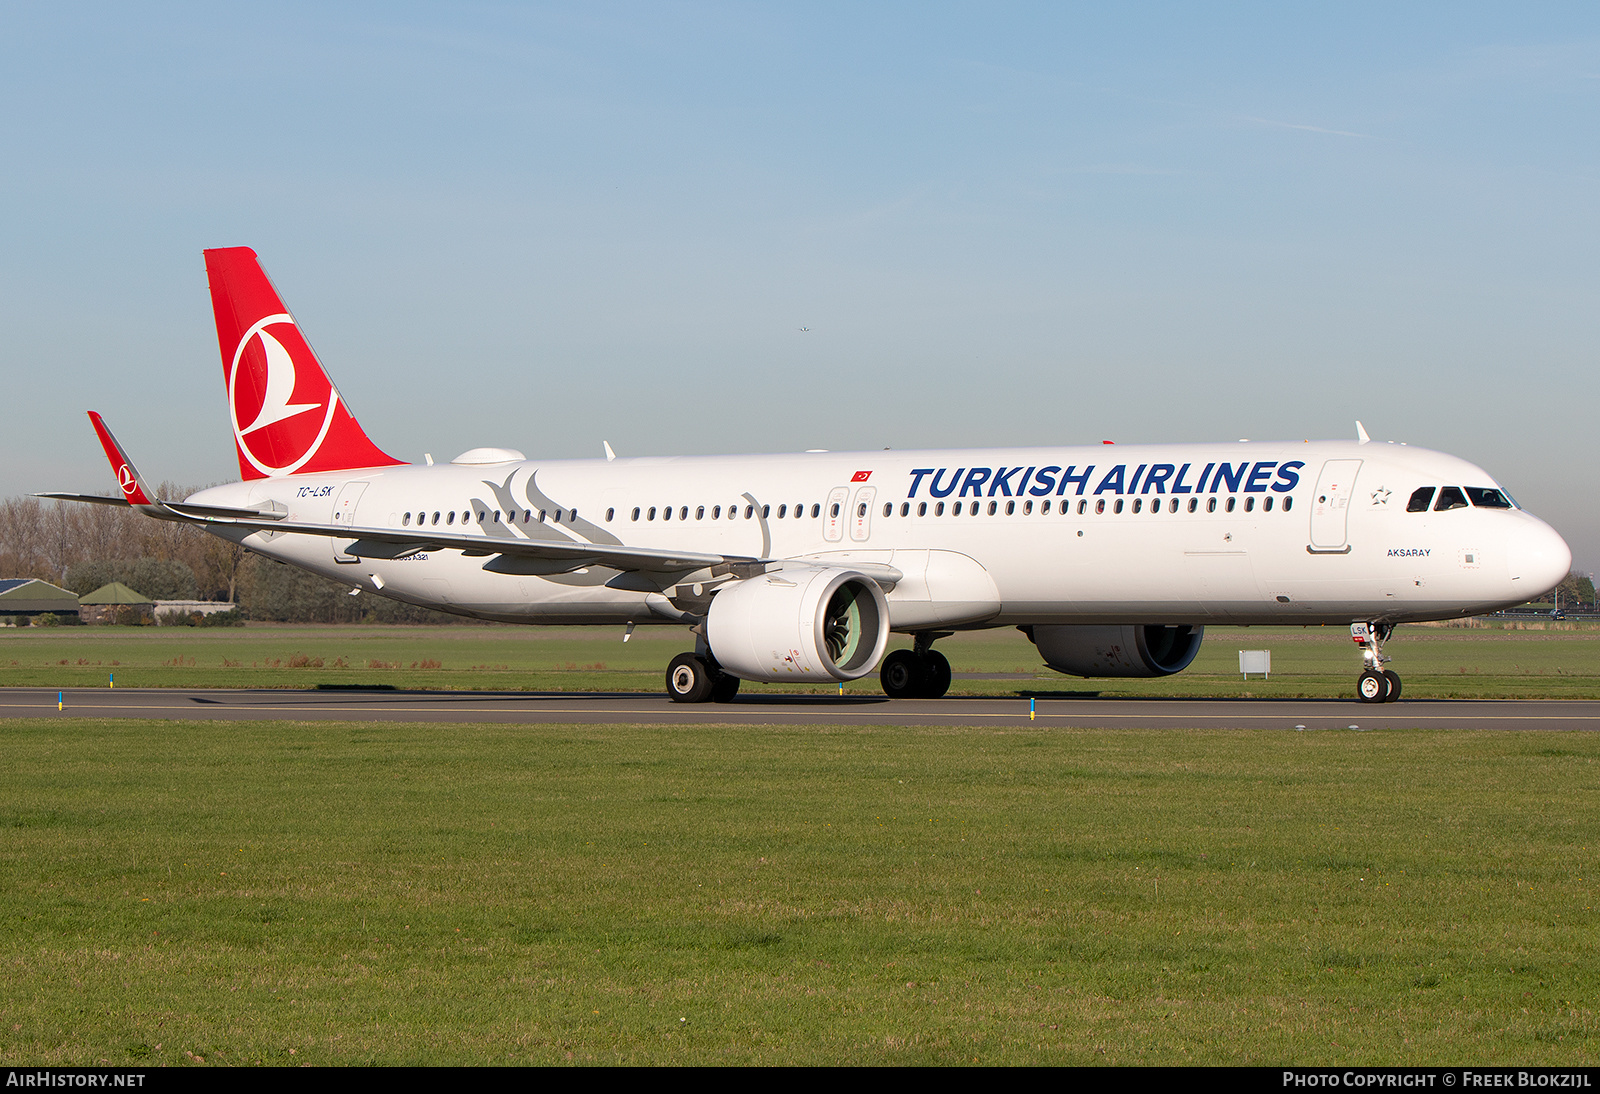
(799, 624)
(1118, 650)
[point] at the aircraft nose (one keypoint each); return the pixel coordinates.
(1538, 558)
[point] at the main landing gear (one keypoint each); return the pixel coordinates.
(921, 672)
(696, 678)
(1376, 684)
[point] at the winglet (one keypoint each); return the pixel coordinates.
(1361, 434)
(133, 487)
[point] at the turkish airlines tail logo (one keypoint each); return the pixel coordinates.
(287, 416)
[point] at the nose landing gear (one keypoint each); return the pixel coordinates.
(1376, 684)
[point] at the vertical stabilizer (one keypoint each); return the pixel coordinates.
(287, 416)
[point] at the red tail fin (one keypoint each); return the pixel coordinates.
(288, 418)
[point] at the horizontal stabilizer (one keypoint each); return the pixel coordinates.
(206, 512)
(173, 510)
(92, 499)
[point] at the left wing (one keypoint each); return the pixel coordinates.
(559, 555)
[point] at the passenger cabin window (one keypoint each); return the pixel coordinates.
(1420, 499)
(1450, 497)
(922, 508)
(1486, 498)
(783, 511)
(700, 512)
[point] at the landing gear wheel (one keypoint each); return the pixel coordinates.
(689, 679)
(726, 687)
(1372, 687)
(1394, 685)
(938, 680)
(903, 675)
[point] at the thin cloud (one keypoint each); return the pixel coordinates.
(1310, 128)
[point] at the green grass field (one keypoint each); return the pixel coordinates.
(339, 894)
(1557, 661)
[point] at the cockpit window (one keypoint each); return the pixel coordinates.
(1420, 499)
(1450, 497)
(1485, 497)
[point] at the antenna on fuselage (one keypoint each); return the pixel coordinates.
(1361, 434)
(610, 455)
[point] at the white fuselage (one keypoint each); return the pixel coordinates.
(1288, 533)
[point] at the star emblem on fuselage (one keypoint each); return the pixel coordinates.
(1380, 496)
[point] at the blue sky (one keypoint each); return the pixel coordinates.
(541, 226)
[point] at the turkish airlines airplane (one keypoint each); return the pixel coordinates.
(1112, 559)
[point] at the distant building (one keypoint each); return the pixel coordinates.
(116, 603)
(192, 607)
(31, 597)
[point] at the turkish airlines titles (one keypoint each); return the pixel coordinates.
(1159, 478)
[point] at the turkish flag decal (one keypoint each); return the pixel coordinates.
(862, 476)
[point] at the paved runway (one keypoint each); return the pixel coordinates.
(537, 707)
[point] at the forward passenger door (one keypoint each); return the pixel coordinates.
(1330, 507)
